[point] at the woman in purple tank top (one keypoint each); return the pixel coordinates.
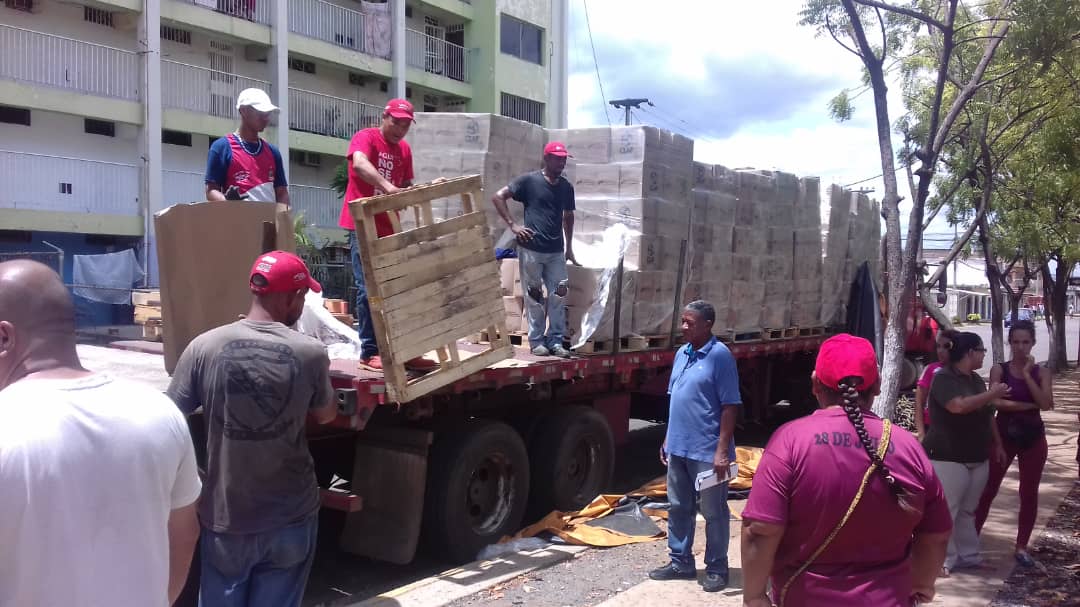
(1022, 432)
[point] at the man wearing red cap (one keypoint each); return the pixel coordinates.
(258, 381)
(548, 230)
(380, 162)
(846, 509)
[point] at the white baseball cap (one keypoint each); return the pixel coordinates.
(256, 98)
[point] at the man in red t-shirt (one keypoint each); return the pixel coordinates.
(890, 550)
(380, 162)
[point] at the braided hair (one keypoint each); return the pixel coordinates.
(850, 395)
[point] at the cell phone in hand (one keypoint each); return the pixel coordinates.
(709, 478)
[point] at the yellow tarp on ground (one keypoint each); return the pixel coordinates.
(571, 527)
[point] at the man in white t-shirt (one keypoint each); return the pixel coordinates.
(98, 482)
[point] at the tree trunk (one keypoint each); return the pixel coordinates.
(993, 274)
(929, 301)
(1056, 286)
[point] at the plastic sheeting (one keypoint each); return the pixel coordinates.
(107, 278)
(616, 520)
(341, 341)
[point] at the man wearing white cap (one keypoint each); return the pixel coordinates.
(242, 165)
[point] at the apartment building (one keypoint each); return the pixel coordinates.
(107, 108)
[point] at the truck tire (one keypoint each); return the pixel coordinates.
(573, 459)
(478, 488)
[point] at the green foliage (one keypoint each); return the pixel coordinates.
(340, 181)
(840, 107)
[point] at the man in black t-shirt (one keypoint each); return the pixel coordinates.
(549, 223)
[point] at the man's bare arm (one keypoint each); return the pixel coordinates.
(367, 171)
(522, 233)
(183, 534)
(213, 192)
(282, 195)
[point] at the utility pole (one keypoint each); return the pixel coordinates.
(628, 104)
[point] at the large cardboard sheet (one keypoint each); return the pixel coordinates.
(205, 251)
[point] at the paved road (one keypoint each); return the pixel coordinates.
(1042, 338)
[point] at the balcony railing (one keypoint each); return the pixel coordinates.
(85, 67)
(182, 186)
(331, 116)
(328, 22)
(38, 182)
(319, 206)
(203, 90)
(250, 10)
(436, 56)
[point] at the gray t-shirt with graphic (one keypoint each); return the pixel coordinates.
(256, 382)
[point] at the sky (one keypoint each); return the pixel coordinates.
(741, 77)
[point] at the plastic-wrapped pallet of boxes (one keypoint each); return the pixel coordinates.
(712, 223)
(639, 176)
(852, 236)
(806, 276)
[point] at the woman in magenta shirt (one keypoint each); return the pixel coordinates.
(811, 471)
(1022, 432)
(922, 389)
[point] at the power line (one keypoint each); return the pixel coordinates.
(596, 64)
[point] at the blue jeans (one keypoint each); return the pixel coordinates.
(540, 272)
(268, 569)
(368, 346)
(682, 516)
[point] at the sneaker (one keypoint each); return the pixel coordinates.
(541, 351)
(372, 363)
(671, 572)
(714, 582)
(560, 351)
(1024, 559)
(421, 364)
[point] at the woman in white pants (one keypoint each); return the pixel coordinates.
(961, 440)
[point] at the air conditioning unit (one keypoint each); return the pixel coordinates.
(310, 159)
(356, 79)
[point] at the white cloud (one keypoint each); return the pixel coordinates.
(770, 104)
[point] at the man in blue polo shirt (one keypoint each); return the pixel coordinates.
(704, 391)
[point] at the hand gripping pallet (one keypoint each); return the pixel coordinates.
(430, 286)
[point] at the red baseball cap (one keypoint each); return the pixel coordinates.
(843, 356)
(556, 148)
(283, 272)
(399, 108)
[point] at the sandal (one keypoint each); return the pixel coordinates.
(1024, 559)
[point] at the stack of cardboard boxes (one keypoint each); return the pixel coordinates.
(495, 147)
(852, 236)
(806, 267)
(709, 268)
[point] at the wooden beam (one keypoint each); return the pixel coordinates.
(421, 341)
(415, 195)
(396, 242)
(448, 241)
(439, 379)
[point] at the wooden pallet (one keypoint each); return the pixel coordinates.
(811, 331)
(739, 336)
(152, 331)
(346, 319)
(771, 334)
(432, 285)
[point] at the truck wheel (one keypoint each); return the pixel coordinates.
(478, 487)
(573, 459)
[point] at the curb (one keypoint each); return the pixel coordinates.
(454, 584)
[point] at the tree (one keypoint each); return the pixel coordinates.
(846, 22)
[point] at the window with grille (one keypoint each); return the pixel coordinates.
(14, 115)
(98, 16)
(175, 34)
(522, 109)
(520, 39)
(308, 67)
(20, 5)
(177, 138)
(99, 127)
